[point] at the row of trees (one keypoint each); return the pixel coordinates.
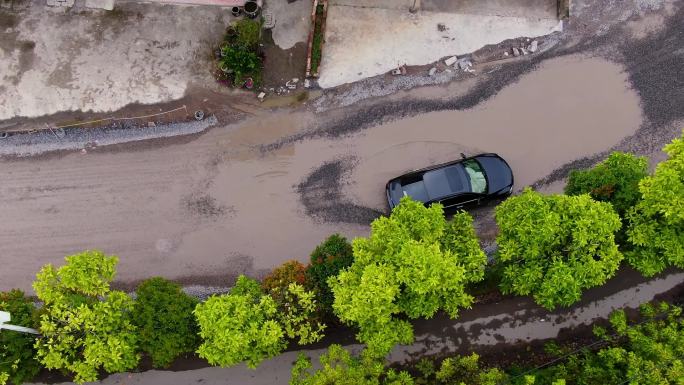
(414, 264)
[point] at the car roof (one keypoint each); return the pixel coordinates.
(446, 181)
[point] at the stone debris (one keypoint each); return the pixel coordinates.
(60, 3)
(291, 84)
(464, 64)
(533, 46)
(432, 71)
(506, 53)
(524, 51)
(441, 27)
(151, 124)
(307, 83)
(516, 52)
(261, 96)
(399, 71)
(450, 61)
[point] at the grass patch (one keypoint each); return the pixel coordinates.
(317, 46)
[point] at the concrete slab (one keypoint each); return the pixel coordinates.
(364, 42)
(532, 9)
(292, 21)
(102, 61)
(100, 4)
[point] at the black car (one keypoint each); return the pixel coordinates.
(468, 181)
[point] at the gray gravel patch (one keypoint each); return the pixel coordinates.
(28, 144)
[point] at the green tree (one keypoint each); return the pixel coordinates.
(409, 266)
(166, 325)
(17, 354)
(656, 224)
(467, 370)
(554, 247)
(615, 180)
(649, 352)
(327, 260)
(338, 367)
(240, 326)
(85, 325)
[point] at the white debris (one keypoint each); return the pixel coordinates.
(307, 83)
(432, 71)
(533, 46)
(516, 52)
(450, 61)
(261, 96)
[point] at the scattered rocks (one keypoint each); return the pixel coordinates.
(524, 51)
(432, 71)
(450, 61)
(516, 52)
(261, 96)
(441, 27)
(464, 64)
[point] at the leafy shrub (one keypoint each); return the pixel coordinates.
(466, 370)
(554, 247)
(285, 274)
(297, 313)
(240, 326)
(614, 180)
(327, 260)
(163, 315)
(408, 266)
(656, 224)
(85, 326)
(17, 354)
(248, 33)
(341, 368)
(240, 61)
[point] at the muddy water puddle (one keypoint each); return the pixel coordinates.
(567, 109)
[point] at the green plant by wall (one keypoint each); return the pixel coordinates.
(327, 260)
(85, 326)
(409, 267)
(163, 316)
(17, 354)
(656, 224)
(554, 247)
(615, 180)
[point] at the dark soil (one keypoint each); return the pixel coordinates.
(282, 65)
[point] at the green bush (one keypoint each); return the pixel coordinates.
(240, 60)
(166, 326)
(341, 368)
(248, 33)
(85, 326)
(656, 224)
(554, 247)
(17, 354)
(327, 260)
(413, 264)
(240, 326)
(614, 180)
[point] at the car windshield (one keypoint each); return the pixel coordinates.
(478, 181)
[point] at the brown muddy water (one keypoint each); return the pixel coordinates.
(217, 206)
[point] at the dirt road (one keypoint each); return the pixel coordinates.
(205, 210)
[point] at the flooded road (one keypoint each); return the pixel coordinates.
(217, 206)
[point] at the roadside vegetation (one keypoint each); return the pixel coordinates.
(317, 40)
(413, 264)
(240, 61)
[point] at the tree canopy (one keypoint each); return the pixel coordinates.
(85, 326)
(413, 264)
(615, 180)
(339, 367)
(17, 354)
(556, 246)
(239, 326)
(656, 224)
(163, 315)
